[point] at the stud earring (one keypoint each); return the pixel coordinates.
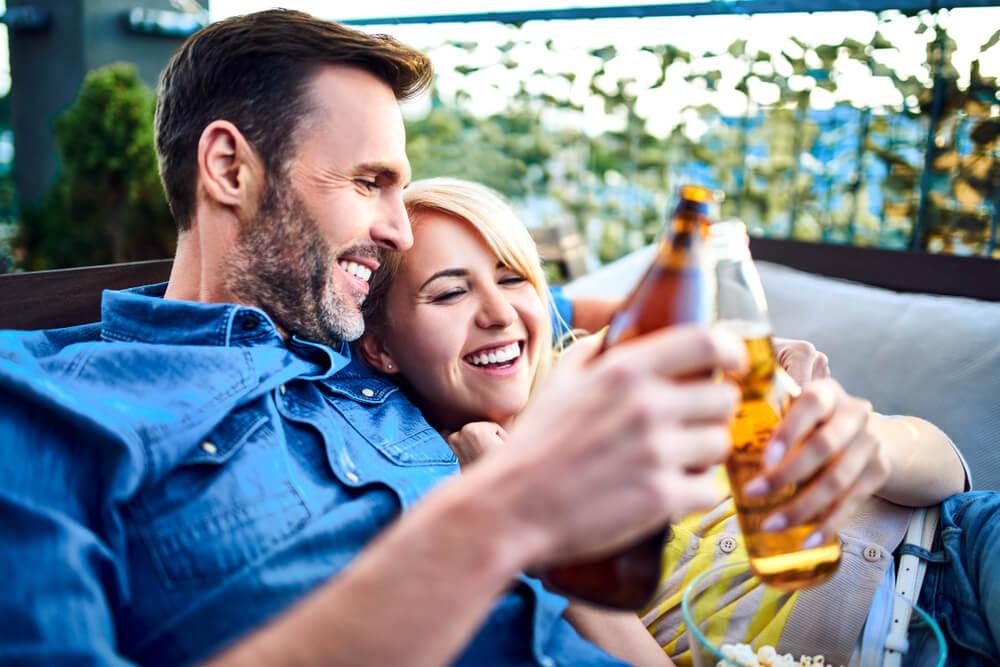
(388, 366)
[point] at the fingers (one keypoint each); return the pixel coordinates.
(830, 488)
(580, 352)
(474, 440)
(691, 493)
(688, 449)
(680, 351)
(820, 367)
(703, 401)
(825, 420)
(801, 360)
(813, 407)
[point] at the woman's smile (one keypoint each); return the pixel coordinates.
(497, 360)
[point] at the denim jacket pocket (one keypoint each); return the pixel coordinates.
(397, 430)
(226, 505)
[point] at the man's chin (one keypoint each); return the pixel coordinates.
(347, 329)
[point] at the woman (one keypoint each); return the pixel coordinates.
(462, 320)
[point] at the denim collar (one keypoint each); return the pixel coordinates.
(142, 315)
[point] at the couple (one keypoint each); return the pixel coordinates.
(208, 473)
(460, 320)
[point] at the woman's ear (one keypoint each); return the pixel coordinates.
(377, 356)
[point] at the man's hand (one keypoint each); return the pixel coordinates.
(837, 453)
(615, 446)
(475, 439)
(801, 360)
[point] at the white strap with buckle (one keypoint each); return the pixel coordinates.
(920, 532)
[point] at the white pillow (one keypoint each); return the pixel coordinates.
(930, 356)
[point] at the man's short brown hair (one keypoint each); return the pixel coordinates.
(254, 72)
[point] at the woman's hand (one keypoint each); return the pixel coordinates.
(827, 442)
(801, 360)
(474, 440)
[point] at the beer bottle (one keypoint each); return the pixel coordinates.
(776, 558)
(677, 288)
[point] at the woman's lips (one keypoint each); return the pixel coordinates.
(498, 360)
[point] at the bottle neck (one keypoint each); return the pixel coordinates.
(741, 299)
(729, 241)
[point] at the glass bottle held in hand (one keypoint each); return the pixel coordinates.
(776, 558)
(677, 288)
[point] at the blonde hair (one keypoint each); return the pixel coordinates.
(497, 224)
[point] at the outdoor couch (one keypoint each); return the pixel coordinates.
(936, 357)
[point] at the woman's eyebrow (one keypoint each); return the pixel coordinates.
(446, 273)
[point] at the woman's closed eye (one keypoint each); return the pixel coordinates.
(447, 295)
(514, 279)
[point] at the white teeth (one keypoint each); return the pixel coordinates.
(497, 356)
(356, 270)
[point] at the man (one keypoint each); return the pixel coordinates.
(205, 473)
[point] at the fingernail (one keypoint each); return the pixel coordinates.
(774, 453)
(756, 488)
(813, 540)
(774, 523)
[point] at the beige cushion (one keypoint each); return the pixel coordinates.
(930, 356)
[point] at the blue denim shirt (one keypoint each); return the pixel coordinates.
(176, 474)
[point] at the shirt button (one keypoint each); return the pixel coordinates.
(351, 476)
(872, 554)
(367, 392)
(727, 544)
(546, 661)
(208, 447)
(281, 390)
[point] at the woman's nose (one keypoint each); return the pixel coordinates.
(495, 311)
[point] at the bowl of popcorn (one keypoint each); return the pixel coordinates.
(733, 620)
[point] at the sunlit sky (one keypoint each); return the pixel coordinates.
(572, 40)
(664, 107)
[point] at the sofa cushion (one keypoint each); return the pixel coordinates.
(930, 356)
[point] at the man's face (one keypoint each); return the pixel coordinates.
(307, 257)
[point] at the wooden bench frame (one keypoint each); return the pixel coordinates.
(50, 299)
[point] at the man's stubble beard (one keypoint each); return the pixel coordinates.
(284, 266)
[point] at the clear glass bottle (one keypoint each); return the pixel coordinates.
(776, 558)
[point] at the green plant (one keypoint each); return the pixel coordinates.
(107, 204)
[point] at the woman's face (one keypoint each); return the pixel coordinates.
(462, 328)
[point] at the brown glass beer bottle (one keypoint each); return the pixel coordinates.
(679, 287)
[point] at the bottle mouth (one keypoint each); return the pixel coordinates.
(728, 237)
(699, 194)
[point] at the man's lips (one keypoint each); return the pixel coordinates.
(362, 273)
(368, 262)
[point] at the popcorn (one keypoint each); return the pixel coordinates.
(766, 656)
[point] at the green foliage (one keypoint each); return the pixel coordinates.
(107, 204)
(847, 174)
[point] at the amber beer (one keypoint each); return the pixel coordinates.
(776, 558)
(677, 288)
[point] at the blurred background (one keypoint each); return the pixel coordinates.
(819, 122)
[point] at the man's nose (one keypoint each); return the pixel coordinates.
(392, 230)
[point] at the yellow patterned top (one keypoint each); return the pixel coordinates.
(748, 611)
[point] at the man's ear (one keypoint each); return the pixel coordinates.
(376, 354)
(229, 170)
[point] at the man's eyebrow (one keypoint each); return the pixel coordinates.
(445, 273)
(382, 169)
